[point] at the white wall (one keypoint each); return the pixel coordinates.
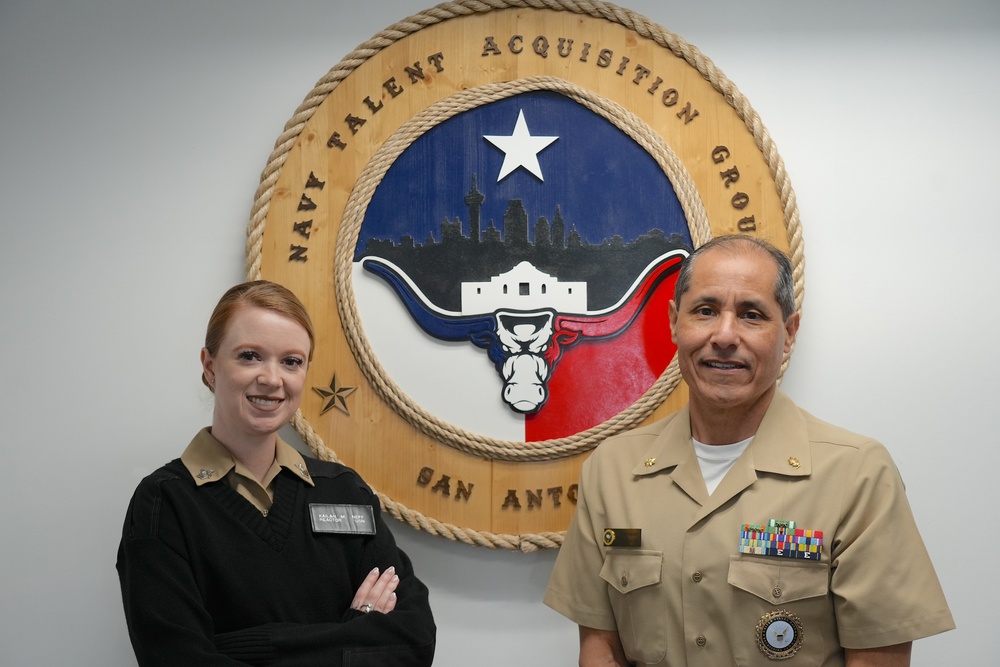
(132, 136)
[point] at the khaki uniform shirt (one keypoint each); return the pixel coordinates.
(686, 596)
(208, 461)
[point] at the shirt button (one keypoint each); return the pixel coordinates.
(776, 592)
(701, 641)
(696, 577)
(624, 580)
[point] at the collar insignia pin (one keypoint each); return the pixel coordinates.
(205, 474)
(794, 462)
(302, 469)
(650, 461)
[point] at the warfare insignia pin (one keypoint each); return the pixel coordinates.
(622, 537)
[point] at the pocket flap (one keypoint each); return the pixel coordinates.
(632, 569)
(777, 582)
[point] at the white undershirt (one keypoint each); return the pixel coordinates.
(716, 460)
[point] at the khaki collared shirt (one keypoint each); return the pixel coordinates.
(686, 596)
(209, 461)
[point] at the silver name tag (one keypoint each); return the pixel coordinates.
(347, 519)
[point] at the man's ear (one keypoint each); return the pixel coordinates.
(791, 329)
(672, 313)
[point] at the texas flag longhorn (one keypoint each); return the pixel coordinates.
(525, 345)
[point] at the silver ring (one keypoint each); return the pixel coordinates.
(366, 608)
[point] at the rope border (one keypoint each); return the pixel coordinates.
(443, 12)
(441, 431)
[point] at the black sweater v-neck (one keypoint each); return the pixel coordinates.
(207, 579)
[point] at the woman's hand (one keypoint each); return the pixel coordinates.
(377, 592)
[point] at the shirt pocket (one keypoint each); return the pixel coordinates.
(763, 586)
(633, 577)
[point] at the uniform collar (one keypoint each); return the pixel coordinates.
(289, 458)
(671, 448)
(780, 446)
(208, 460)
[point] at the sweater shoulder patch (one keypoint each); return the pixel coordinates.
(142, 519)
(328, 469)
(343, 474)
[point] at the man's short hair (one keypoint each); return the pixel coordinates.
(784, 287)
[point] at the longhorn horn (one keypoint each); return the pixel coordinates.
(442, 324)
(614, 320)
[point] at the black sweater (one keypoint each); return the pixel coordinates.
(208, 580)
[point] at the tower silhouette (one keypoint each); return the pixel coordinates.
(474, 200)
(558, 233)
(515, 224)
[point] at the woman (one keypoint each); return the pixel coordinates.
(242, 551)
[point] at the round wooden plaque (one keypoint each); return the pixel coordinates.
(484, 210)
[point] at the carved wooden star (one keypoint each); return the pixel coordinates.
(337, 396)
(520, 149)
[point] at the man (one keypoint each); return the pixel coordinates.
(741, 530)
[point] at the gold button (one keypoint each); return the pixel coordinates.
(776, 592)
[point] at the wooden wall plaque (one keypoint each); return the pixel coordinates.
(484, 210)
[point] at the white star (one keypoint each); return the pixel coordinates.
(520, 149)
